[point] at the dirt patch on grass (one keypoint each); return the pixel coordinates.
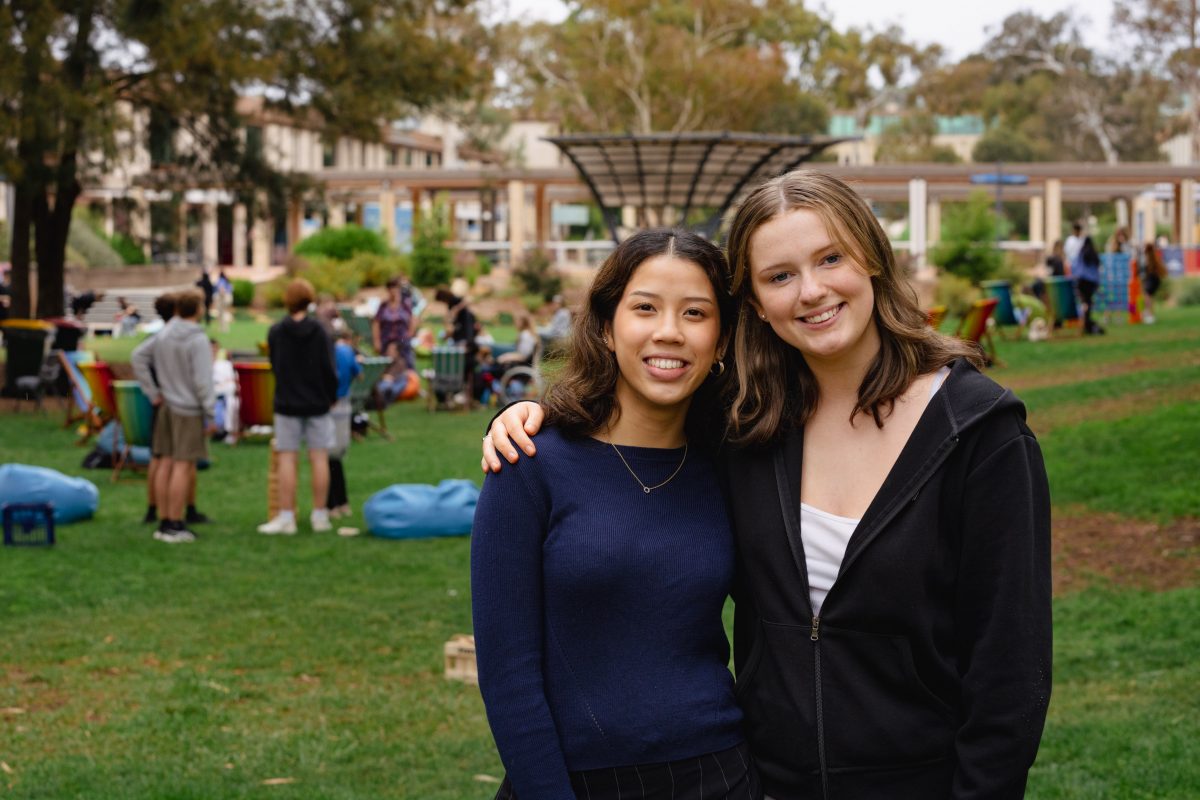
(1090, 547)
(1094, 372)
(1112, 408)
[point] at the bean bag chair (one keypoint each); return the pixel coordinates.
(419, 511)
(73, 498)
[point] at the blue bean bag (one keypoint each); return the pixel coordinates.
(419, 511)
(73, 498)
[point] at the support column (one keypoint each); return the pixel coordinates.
(516, 222)
(1142, 224)
(414, 194)
(208, 234)
(110, 224)
(181, 239)
(1037, 222)
(139, 221)
(918, 194)
(387, 214)
(260, 235)
(542, 225)
(239, 234)
(629, 217)
(295, 214)
(337, 214)
(4, 201)
(1121, 206)
(934, 217)
(1053, 200)
(1185, 211)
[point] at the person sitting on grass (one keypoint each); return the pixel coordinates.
(305, 392)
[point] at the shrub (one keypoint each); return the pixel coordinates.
(272, 291)
(532, 302)
(432, 260)
(343, 243)
(968, 247)
(1188, 293)
(329, 276)
(376, 270)
(243, 293)
(955, 293)
(537, 275)
(128, 249)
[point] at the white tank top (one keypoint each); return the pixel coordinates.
(825, 536)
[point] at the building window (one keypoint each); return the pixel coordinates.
(161, 138)
(328, 154)
(407, 157)
(392, 156)
(429, 159)
(254, 141)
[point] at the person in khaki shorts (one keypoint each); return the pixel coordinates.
(186, 403)
(305, 391)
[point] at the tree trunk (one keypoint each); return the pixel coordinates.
(22, 219)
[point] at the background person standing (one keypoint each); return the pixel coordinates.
(305, 391)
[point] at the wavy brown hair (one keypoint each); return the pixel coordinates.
(584, 399)
(775, 387)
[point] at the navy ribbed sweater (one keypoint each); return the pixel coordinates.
(598, 611)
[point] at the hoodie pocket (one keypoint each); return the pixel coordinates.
(884, 714)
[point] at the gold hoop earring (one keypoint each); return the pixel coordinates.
(717, 369)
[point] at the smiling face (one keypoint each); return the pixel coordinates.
(811, 291)
(665, 334)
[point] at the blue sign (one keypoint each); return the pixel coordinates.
(1004, 178)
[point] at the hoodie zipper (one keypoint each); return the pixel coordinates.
(815, 636)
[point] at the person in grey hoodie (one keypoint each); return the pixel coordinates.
(183, 394)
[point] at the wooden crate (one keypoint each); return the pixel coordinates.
(460, 659)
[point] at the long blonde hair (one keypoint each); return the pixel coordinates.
(775, 387)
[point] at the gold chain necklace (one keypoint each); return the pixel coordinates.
(645, 488)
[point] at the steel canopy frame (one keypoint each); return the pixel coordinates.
(683, 170)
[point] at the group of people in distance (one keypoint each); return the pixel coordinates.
(779, 424)
(1079, 258)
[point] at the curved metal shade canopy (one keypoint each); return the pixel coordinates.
(682, 170)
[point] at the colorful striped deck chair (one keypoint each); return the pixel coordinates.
(373, 368)
(81, 408)
(934, 316)
(136, 416)
(256, 394)
(446, 378)
(973, 327)
(99, 376)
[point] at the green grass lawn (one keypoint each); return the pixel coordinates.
(134, 669)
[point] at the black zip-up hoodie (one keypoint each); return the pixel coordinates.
(302, 360)
(928, 673)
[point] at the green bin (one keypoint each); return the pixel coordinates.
(1002, 291)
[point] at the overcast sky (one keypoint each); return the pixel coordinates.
(960, 27)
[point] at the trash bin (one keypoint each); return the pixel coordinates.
(26, 342)
(1061, 291)
(1002, 291)
(67, 333)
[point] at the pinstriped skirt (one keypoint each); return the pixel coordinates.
(724, 775)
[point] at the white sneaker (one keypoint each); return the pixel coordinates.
(320, 521)
(285, 525)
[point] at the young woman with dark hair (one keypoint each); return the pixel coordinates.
(892, 628)
(600, 568)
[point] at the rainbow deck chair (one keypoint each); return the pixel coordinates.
(973, 327)
(81, 408)
(99, 377)
(136, 416)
